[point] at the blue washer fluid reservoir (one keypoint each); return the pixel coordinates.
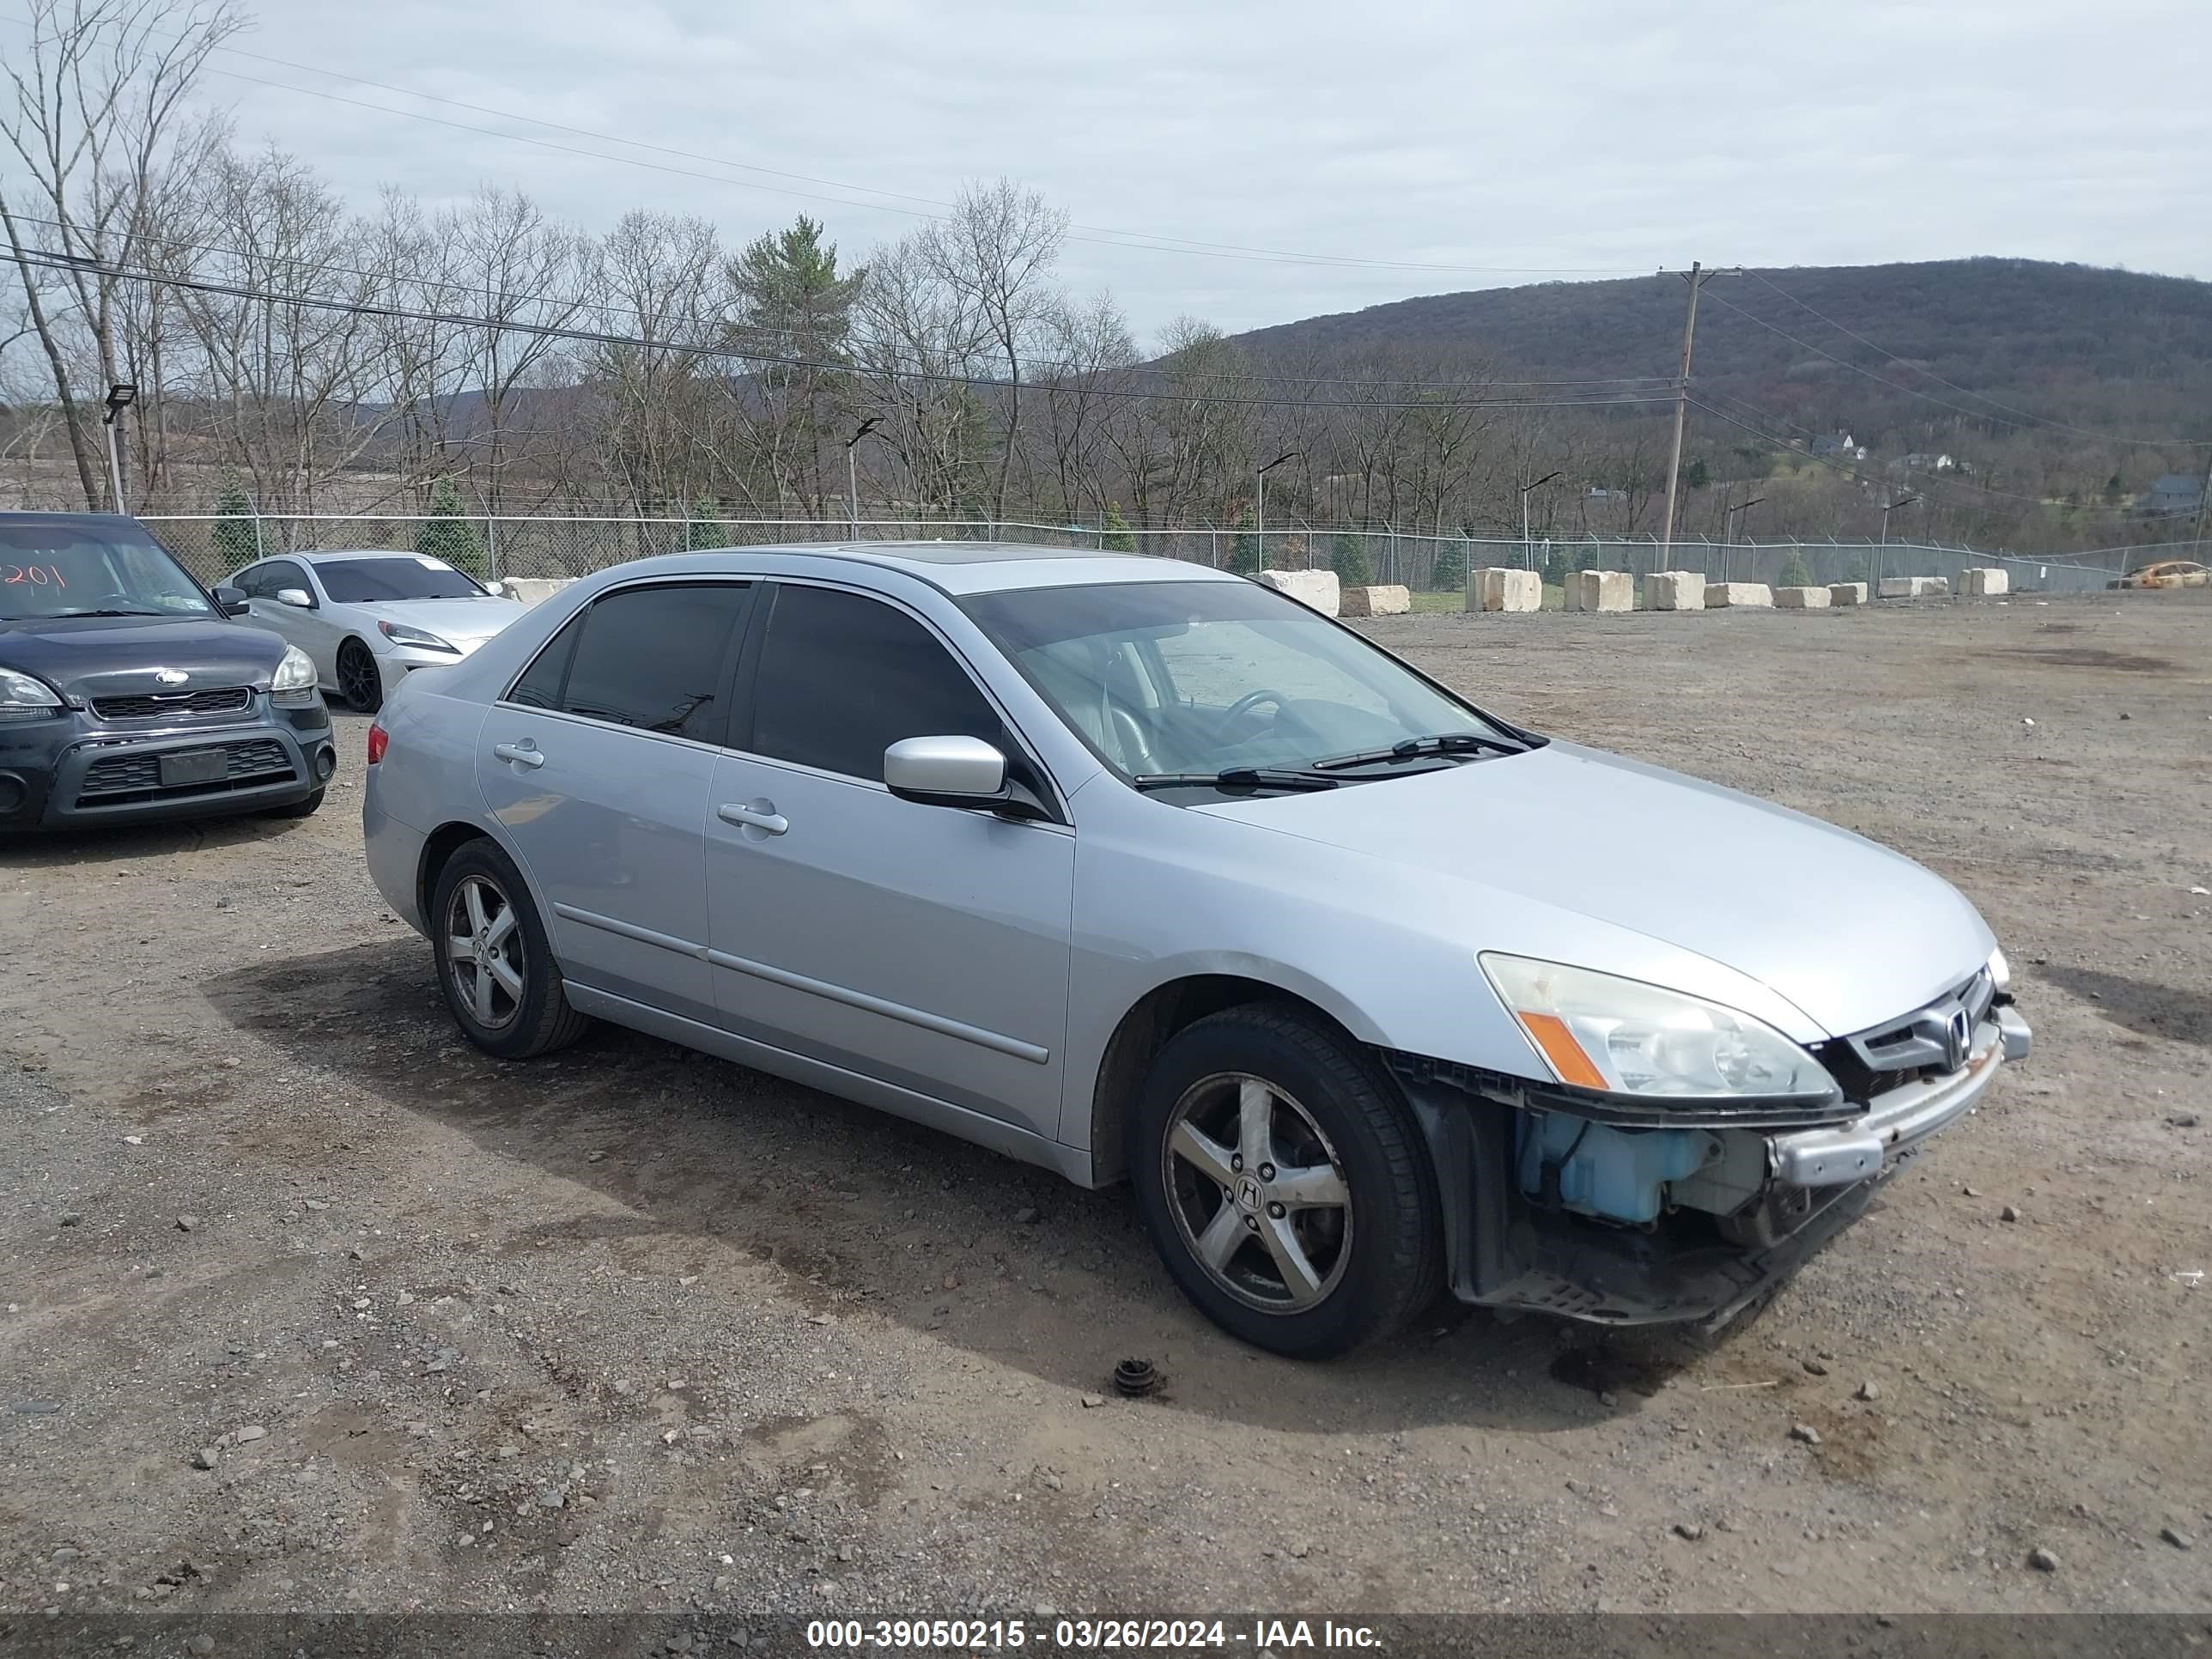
(1617, 1174)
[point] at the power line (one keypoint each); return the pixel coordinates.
(1983, 396)
(46, 259)
(1101, 235)
(574, 303)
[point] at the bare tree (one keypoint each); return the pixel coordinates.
(1091, 352)
(996, 251)
(95, 117)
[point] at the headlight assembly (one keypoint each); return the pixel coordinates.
(1622, 1037)
(24, 697)
(400, 634)
(294, 678)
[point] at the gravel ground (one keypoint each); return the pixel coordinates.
(310, 1307)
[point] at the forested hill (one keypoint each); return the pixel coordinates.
(2109, 350)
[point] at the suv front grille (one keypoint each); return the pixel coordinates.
(215, 700)
(121, 780)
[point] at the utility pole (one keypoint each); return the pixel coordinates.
(1697, 277)
(853, 476)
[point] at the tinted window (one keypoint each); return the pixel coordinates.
(653, 658)
(282, 574)
(842, 678)
(371, 581)
(540, 685)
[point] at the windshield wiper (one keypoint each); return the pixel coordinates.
(111, 612)
(1442, 743)
(1234, 777)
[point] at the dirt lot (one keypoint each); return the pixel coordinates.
(630, 1328)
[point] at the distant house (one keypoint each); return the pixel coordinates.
(1596, 494)
(1837, 443)
(2176, 494)
(1920, 461)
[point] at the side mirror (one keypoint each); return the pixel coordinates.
(945, 772)
(497, 589)
(231, 601)
(297, 598)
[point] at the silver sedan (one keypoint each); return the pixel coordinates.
(367, 620)
(1136, 870)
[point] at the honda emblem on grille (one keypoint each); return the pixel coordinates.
(1958, 1037)
(171, 676)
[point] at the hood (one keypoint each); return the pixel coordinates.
(1849, 931)
(466, 622)
(83, 657)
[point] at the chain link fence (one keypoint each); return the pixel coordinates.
(543, 546)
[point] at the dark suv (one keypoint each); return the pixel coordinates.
(128, 694)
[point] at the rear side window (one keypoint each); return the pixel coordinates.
(652, 658)
(843, 676)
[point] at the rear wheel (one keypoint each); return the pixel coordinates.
(494, 963)
(1284, 1183)
(358, 681)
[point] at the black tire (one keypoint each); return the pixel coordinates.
(1386, 1264)
(305, 807)
(359, 682)
(539, 1020)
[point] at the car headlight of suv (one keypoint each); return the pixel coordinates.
(294, 678)
(23, 697)
(1622, 1037)
(401, 633)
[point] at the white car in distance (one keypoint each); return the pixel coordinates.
(368, 619)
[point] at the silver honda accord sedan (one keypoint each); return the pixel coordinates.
(1134, 869)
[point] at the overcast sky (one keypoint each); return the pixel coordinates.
(1581, 136)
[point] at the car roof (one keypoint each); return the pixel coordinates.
(326, 554)
(958, 568)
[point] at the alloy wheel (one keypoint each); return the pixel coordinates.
(484, 952)
(1257, 1192)
(357, 677)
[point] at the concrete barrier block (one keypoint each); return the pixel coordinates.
(1898, 588)
(1675, 590)
(1570, 591)
(531, 589)
(1842, 593)
(1802, 598)
(1604, 590)
(1720, 595)
(1505, 589)
(1930, 587)
(1383, 601)
(1984, 582)
(1317, 588)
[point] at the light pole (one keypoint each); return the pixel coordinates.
(120, 397)
(853, 473)
(1527, 559)
(1260, 511)
(1906, 502)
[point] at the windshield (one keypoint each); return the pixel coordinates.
(1200, 678)
(83, 570)
(410, 576)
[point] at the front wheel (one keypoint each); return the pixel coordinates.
(494, 963)
(358, 679)
(1284, 1183)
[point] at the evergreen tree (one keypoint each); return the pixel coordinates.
(1449, 575)
(705, 528)
(450, 534)
(1793, 572)
(236, 536)
(1347, 556)
(1115, 538)
(1244, 551)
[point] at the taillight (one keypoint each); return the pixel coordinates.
(378, 739)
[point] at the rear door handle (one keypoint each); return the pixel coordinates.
(522, 754)
(768, 823)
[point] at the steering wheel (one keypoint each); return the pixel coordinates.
(1245, 704)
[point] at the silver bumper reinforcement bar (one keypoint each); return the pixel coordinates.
(1903, 1117)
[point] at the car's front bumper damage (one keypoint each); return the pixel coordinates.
(1748, 1206)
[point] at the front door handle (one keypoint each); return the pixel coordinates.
(763, 818)
(522, 754)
